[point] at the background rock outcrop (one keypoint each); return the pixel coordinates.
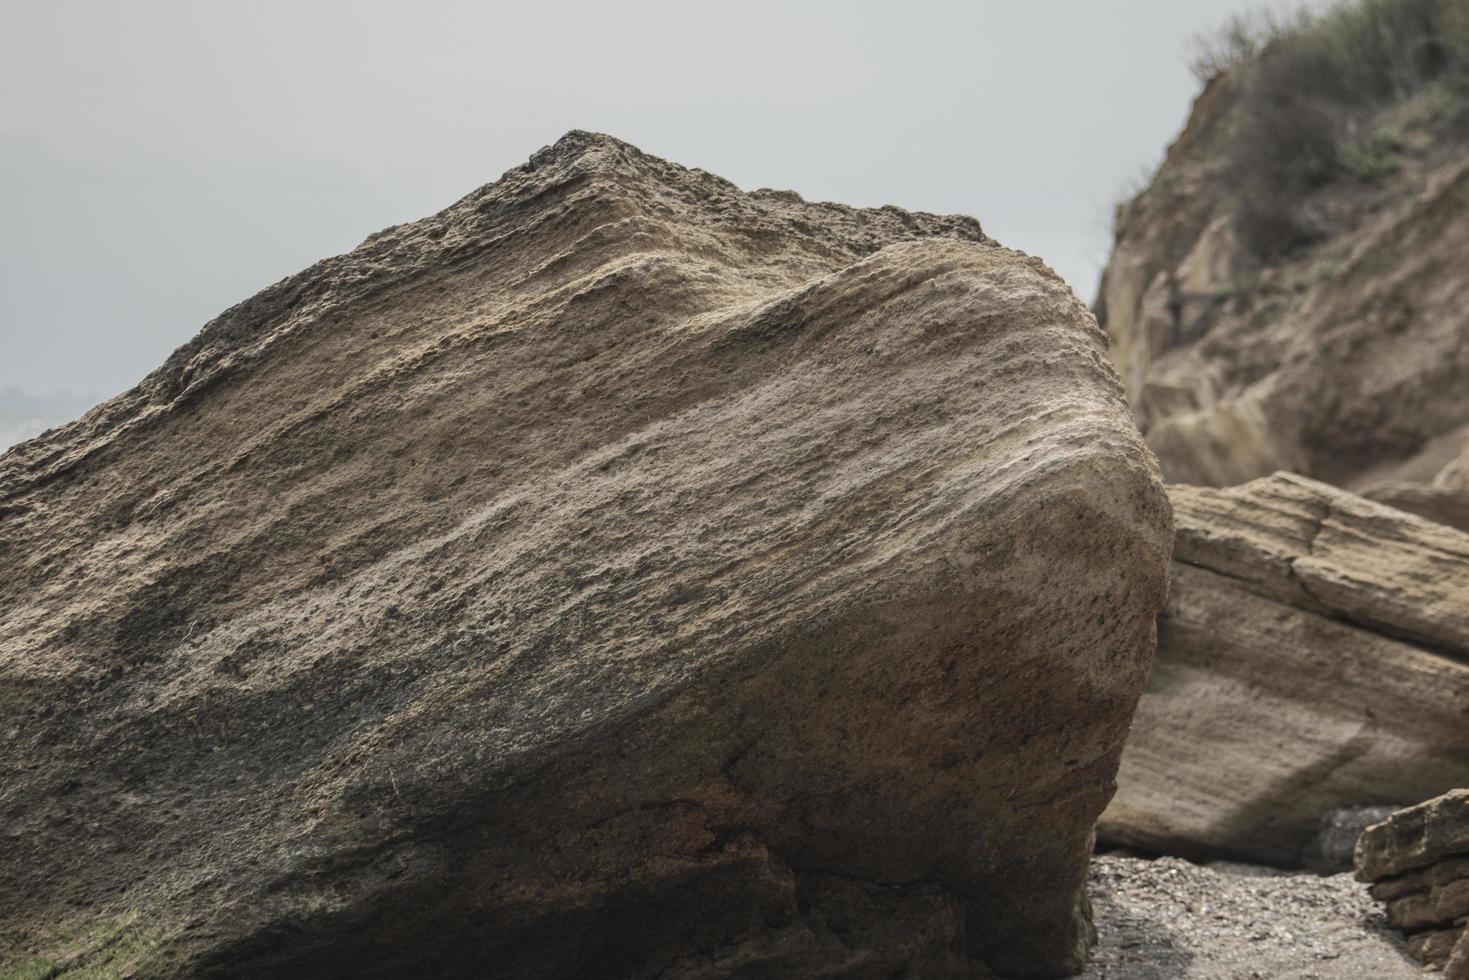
(1288, 292)
(1313, 656)
(1418, 863)
(616, 574)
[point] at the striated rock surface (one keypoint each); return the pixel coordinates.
(615, 574)
(1418, 863)
(1345, 359)
(1313, 656)
(1439, 504)
(1445, 499)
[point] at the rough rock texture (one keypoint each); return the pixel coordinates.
(1334, 848)
(616, 574)
(1172, 920)
(1442, 505)
(1445, 499)
(1347, 361)
(1418, 862)
(1313, 655)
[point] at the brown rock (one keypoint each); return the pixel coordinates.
(1457, 965)
(1439, 504)
(1451, 900)
(1445, 872)
(1445, 499)
(1418, 860)
(1416, 837)
(1454, 475)
(1313, 655)
(1315, 547)
(1411, 912)
(1436, 946)
(615, 574)
(1343, 359)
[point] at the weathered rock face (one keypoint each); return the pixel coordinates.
(1313, 655)
(1441, 505)
(1347, 360)
(1418, 862)
(615, 574)
(1445, 499)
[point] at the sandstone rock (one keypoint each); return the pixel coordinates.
(1455, 474)
(1313, 655)
(1342, 360)
(1444, 500)
(1416, 837)
(1441, 505)
(1435, 946)
(1456, 967)
(1418, 860)
(616, 574)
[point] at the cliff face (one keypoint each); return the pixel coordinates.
(1344, 357)
(616, 574)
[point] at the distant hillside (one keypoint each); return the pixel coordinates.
(1290, 291)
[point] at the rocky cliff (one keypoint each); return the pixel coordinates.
(1316, 324)
(615, 574)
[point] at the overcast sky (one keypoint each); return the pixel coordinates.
(160, 161)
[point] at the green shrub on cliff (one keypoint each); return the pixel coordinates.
(1308, 87)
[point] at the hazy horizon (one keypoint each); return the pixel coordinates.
(165, 161)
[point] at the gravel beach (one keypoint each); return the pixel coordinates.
(1167, 919)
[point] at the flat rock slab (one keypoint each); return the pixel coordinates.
(616, 574)
(1313, 656)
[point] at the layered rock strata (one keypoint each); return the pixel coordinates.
(615, 574)
(1418, 863)
(1313, 656)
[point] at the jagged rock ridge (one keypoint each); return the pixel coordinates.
(615, 574)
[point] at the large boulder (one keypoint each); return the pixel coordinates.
(1313, 658)
(1418, 863)
(615, 574)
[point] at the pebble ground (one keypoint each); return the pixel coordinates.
(1167, 919)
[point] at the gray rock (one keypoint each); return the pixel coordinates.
(1334, 848)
